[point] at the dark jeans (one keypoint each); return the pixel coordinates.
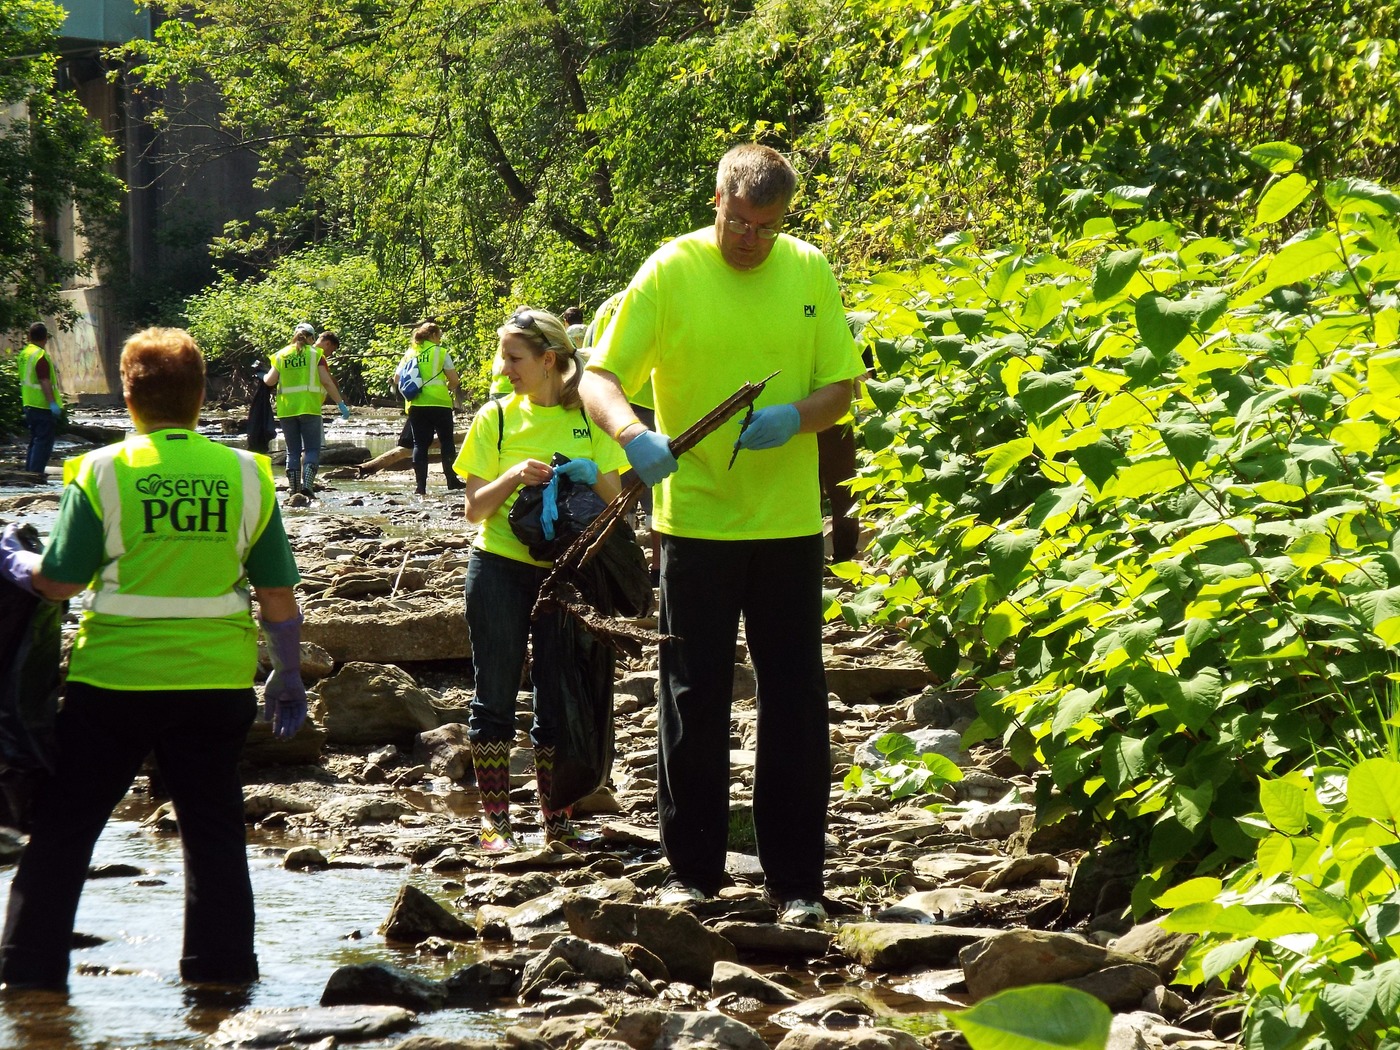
(836, 452)
(427, 422)
(43, 426)
(500, 594)
(303, 436)
(776, 586)
(104, 736)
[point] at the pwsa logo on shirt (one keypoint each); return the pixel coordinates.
(581, 433)
(184, 504)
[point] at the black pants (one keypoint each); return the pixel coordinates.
(776, 585)
(104, 736)
(427, 422)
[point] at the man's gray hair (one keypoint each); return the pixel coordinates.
(756, 174)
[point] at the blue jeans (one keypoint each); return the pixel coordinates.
(43, 425)
(302, 434)
(500, 593)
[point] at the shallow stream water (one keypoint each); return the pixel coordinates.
(126, 992)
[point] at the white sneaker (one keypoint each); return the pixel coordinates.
(802, 913)
(678, 895)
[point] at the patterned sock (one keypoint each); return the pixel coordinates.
(491, 758)
(557, 825)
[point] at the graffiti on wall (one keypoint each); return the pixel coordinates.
(78, 352)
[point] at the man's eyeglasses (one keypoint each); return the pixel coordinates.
(524, 318)
(739, 228)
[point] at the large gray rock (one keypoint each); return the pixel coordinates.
(446, 751)
(415, 916)
(769, 938)
(688, 949)
(275, 1026)
(380, 984)
(894, 947)
(1120, 987)
(1021, 957)
(871, 681)
(1155, 946)
(359, 810)
(406, 628)
(262, 749)
(370, 703)
(597, 962)
(730, 977)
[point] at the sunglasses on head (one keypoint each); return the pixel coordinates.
(524, 319)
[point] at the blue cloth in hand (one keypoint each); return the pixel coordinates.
(582, 471)
(549, 508)
(770, 427)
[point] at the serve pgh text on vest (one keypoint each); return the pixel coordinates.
(188, 504)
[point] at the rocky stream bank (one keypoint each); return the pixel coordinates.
(932, 907)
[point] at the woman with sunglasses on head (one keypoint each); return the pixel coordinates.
(509, 447)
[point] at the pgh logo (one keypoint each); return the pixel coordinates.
(187, 504)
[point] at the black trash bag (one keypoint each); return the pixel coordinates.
(626, 579)
(30, 655)
(262, 418)
(577, 504)
(584, 747)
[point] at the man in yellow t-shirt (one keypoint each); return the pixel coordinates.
(708, 311)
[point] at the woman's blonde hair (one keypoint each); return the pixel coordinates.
(427, 332)
(162, 374)
(547, 332)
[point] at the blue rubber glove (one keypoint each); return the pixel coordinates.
(55, 409)
(284, 694)
(18, 563)
(650, 456)
(770, 427)
(344, 410)
(549, 508)
(582, 471)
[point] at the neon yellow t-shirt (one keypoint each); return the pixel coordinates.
(531, 432)
(698, 329)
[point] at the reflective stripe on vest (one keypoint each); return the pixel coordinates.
(299, 391)
(108, 599)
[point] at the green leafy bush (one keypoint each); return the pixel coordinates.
(1313, 923)
(906, 772)
(1138, 488)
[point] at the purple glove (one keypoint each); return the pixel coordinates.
(18, 563)
(583, 471)
(650, 456)
(770, 427)
(284, 695)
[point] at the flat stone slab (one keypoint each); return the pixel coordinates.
(273, 1027)
(898, 946)
(767, 938)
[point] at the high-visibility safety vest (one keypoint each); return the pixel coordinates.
(170, 606)
(299, 391)
(431, 358)
(30, 392)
